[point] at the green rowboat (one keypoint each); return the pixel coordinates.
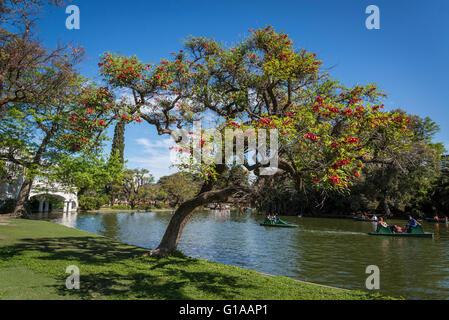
(278, 223)
(416, 232)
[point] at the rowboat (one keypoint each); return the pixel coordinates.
(416, 232)
(436, 221)
(278, 223)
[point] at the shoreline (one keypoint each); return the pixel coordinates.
(46, 248)
(107, 210)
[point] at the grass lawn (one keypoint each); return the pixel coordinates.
(34, 256)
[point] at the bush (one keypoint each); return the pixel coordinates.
(92, 202)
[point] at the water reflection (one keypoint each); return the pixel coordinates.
(69, 219)
(221, 215)
(333, 252)
(110, 226)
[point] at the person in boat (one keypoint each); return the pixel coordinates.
(411, 223)
(396, 229)
(436, 218)
(374, 218)
(383, 223)
(271, 217)
(445, 218)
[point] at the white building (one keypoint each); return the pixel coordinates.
(41, 190)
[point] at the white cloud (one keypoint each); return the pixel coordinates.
(155, 156)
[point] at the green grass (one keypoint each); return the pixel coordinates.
(34, 256)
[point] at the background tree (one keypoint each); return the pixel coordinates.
(134, 182)
(440, 194)
(35, 136)
(383, 188)
(113, 188)
(27, 70)
(178, 188)
(89, 173)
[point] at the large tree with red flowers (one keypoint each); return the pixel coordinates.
(327, 131)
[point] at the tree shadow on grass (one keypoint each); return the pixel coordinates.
(96, 250)
(110, 269)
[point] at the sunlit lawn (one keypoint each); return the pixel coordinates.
(34, 256)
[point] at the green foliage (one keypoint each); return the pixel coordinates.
(411, 184)
(440, 193)
(135, 183)
(118, 142)
(92, 202)
(87, 172)
(177, 188)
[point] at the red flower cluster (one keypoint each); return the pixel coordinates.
(335, 179)
(320, 102)
(352, 140)
(311, 136)
(340, 163)
(347, 111)
(400, 119)
(332, 109)
(375, 108)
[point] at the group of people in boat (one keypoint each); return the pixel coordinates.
(411, 223)
(273, 217)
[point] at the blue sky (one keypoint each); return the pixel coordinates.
(407, 57)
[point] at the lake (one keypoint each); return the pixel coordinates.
(332, 252)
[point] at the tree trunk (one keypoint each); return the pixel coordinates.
(25, 189)
(24, 193)
(169, 242)
(387, 208)
(179, 219)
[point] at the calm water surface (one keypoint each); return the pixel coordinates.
(333, 252)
